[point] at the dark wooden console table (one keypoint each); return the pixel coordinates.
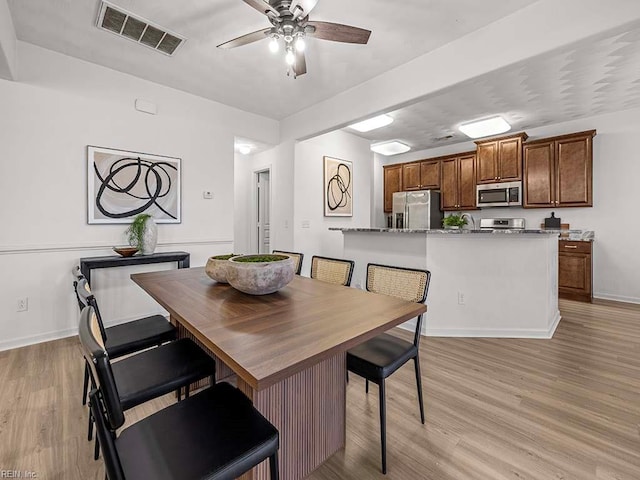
(89, 263)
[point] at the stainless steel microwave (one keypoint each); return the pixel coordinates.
(506, 194)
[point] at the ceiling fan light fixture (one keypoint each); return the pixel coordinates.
(300, 44)
(485, 128)
(290, 57)
(372, 123)
(393, 147)
(274, 45)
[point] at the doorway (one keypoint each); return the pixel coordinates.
(263, 212)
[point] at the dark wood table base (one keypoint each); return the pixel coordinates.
(308, 409)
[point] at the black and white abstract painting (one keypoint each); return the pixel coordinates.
(123, 184)
(338, 188)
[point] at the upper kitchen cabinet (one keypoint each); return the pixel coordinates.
(392, 184)
(422, 175)
(500, 159)
(558, 171)
(458, 182)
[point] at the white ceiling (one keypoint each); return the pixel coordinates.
(249, 77)
(593, 77)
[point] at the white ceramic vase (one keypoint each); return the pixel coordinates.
(149, 237)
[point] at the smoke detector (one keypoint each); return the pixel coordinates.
(125, 24)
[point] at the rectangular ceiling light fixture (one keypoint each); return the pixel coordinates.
(485, 128)
(120, 22)
(372, 123)
(390, 148)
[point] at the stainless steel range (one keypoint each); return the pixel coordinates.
(502, 224)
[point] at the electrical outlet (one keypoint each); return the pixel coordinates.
(22, 304)
(460, 298)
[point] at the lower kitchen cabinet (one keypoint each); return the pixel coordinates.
(575, 270)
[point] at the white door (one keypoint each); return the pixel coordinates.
(263, 209)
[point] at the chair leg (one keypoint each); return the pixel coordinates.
(180, 394)
(383, 427)
(186, 391)
(366, 386)
(85, 387)
(96, 449)
(90, 428)
(212, 380)
(416, 361)
(273, 467)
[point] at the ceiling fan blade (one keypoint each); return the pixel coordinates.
(262, 6)
(246, 39)
(300, 65)
(301, 8)
(337, 32)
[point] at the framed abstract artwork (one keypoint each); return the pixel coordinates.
(338, 188)
(123, 184)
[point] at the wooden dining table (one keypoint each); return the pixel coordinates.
(286, 351)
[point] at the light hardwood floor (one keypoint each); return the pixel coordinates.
(566, 408)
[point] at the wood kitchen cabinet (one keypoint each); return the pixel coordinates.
(392, 181)
(575, 270)
(422, 175)
(458, 182)
(558, 171)
(500, 159)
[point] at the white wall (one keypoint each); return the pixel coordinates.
(7, 43)
(309, 193)
(60, 106)
(279, 160)
(614, 216)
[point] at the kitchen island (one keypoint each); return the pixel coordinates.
(485, 283)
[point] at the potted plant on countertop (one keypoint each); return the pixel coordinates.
(143, 233)
(455, 221)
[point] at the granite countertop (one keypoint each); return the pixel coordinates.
(574, 235)
(464, 231)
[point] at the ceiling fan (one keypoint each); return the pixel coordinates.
(290, 23)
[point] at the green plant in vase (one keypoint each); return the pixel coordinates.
(143, 233)
(454, 221)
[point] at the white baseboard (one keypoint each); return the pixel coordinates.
(616, 298)
(38, 338)
(57, 335)
(487, 332)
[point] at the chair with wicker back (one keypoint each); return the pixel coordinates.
(332, 270)
(376, 359)
(296, 256)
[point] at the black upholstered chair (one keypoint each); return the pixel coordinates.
(146, 375)
(332, 270)
(126, 338)
(376, 359)
(214, 435)
(298, 257)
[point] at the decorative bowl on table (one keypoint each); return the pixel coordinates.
(126, 251)
(216, 267)
(260, 274)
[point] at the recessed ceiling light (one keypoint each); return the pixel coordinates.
(390, 148)
(244, 148)
(372, 123)
(485, 128)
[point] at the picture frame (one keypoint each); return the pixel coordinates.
(122, 184)
(338, 187)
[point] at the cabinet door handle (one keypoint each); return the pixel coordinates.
(570, 246)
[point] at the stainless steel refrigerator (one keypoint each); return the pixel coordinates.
(417, 210)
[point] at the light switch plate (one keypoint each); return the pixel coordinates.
(207, 195)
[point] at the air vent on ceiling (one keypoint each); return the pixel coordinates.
(116, 20)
